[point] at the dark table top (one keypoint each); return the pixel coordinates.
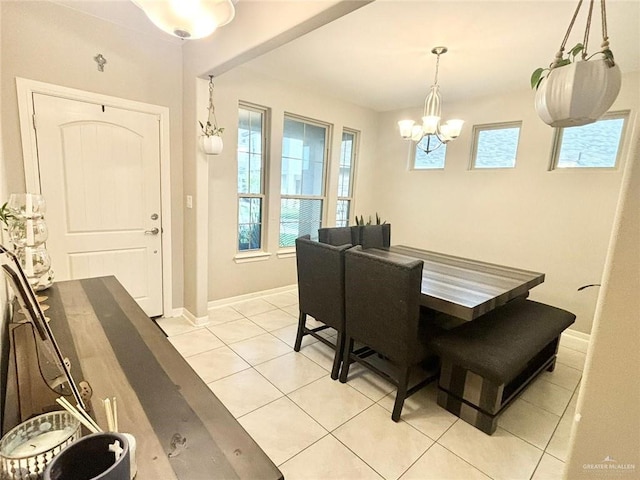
(161, 400)
(463, 287)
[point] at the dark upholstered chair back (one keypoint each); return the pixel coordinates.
(373, 236)
(321, 280)
(383, 304)
(335, 235)
(369, 236)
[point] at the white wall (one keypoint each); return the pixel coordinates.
(606, 424)
(226, 277)
(555, 222)
(248, 36)
(54, 44)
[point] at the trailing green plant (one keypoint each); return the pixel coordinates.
(539, 73)
(360, 221)
(209, 130)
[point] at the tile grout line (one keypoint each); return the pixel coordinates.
(458, 456)
(558, 425)
(331, 432)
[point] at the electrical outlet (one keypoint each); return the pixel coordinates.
(189, 201)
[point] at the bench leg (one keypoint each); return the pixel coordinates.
(552, 367)
(481, 420)
(474, 399)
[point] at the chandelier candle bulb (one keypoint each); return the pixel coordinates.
(406, 128)
(430, 124)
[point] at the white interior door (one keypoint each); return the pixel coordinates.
(100, 176)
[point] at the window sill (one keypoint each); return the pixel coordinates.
(251, 257)
(287, 252)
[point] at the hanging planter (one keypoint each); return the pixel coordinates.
(211, 139)
(211, 145)
(575, 93)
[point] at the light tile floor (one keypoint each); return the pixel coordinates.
(315, 428)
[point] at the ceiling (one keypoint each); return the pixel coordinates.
(379, 55)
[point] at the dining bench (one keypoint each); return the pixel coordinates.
(487, 362)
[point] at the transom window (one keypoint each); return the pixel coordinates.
(251, 174)
(302, 186)
(596, 145)
(345, 177)
(431, 161)
(495, 145)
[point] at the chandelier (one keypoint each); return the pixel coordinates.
(190, 19)
(431, 134)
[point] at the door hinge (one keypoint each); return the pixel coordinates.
(33, 121)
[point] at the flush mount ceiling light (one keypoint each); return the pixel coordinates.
(190, 19)
(431, 134)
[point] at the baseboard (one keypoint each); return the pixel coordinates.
(176, 312)
(575, 340)
(249, 296)
(197, 321)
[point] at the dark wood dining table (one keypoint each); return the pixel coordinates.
(463, 287)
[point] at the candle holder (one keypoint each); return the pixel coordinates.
(28, 232)
(28, 448)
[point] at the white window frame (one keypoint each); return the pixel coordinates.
(287, 251)
(354, 158)
(262, 252)
(557, 144)
(493, 126)
(413, 154)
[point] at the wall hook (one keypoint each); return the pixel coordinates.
(100, 60)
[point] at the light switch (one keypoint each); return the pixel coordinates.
(189, 201)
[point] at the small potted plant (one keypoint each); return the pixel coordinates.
(211, 139)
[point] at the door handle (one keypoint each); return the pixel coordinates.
(153, 231)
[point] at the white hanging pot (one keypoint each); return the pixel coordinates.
(211, 145)
(578, 93)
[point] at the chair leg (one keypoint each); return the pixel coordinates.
(337, 359)
(346, 360)
(401, 394)
(301, 325)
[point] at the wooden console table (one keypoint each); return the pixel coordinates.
(183, 431)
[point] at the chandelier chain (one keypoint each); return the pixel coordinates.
(435, 80)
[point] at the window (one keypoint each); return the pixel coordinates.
(495, 146)
(345, 177)
(251, 175)
(434, 160)
(590, 146)
(302, 179)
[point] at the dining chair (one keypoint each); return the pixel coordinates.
(335, 235)
(321, 293)
(373, 236)
(382, 309)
